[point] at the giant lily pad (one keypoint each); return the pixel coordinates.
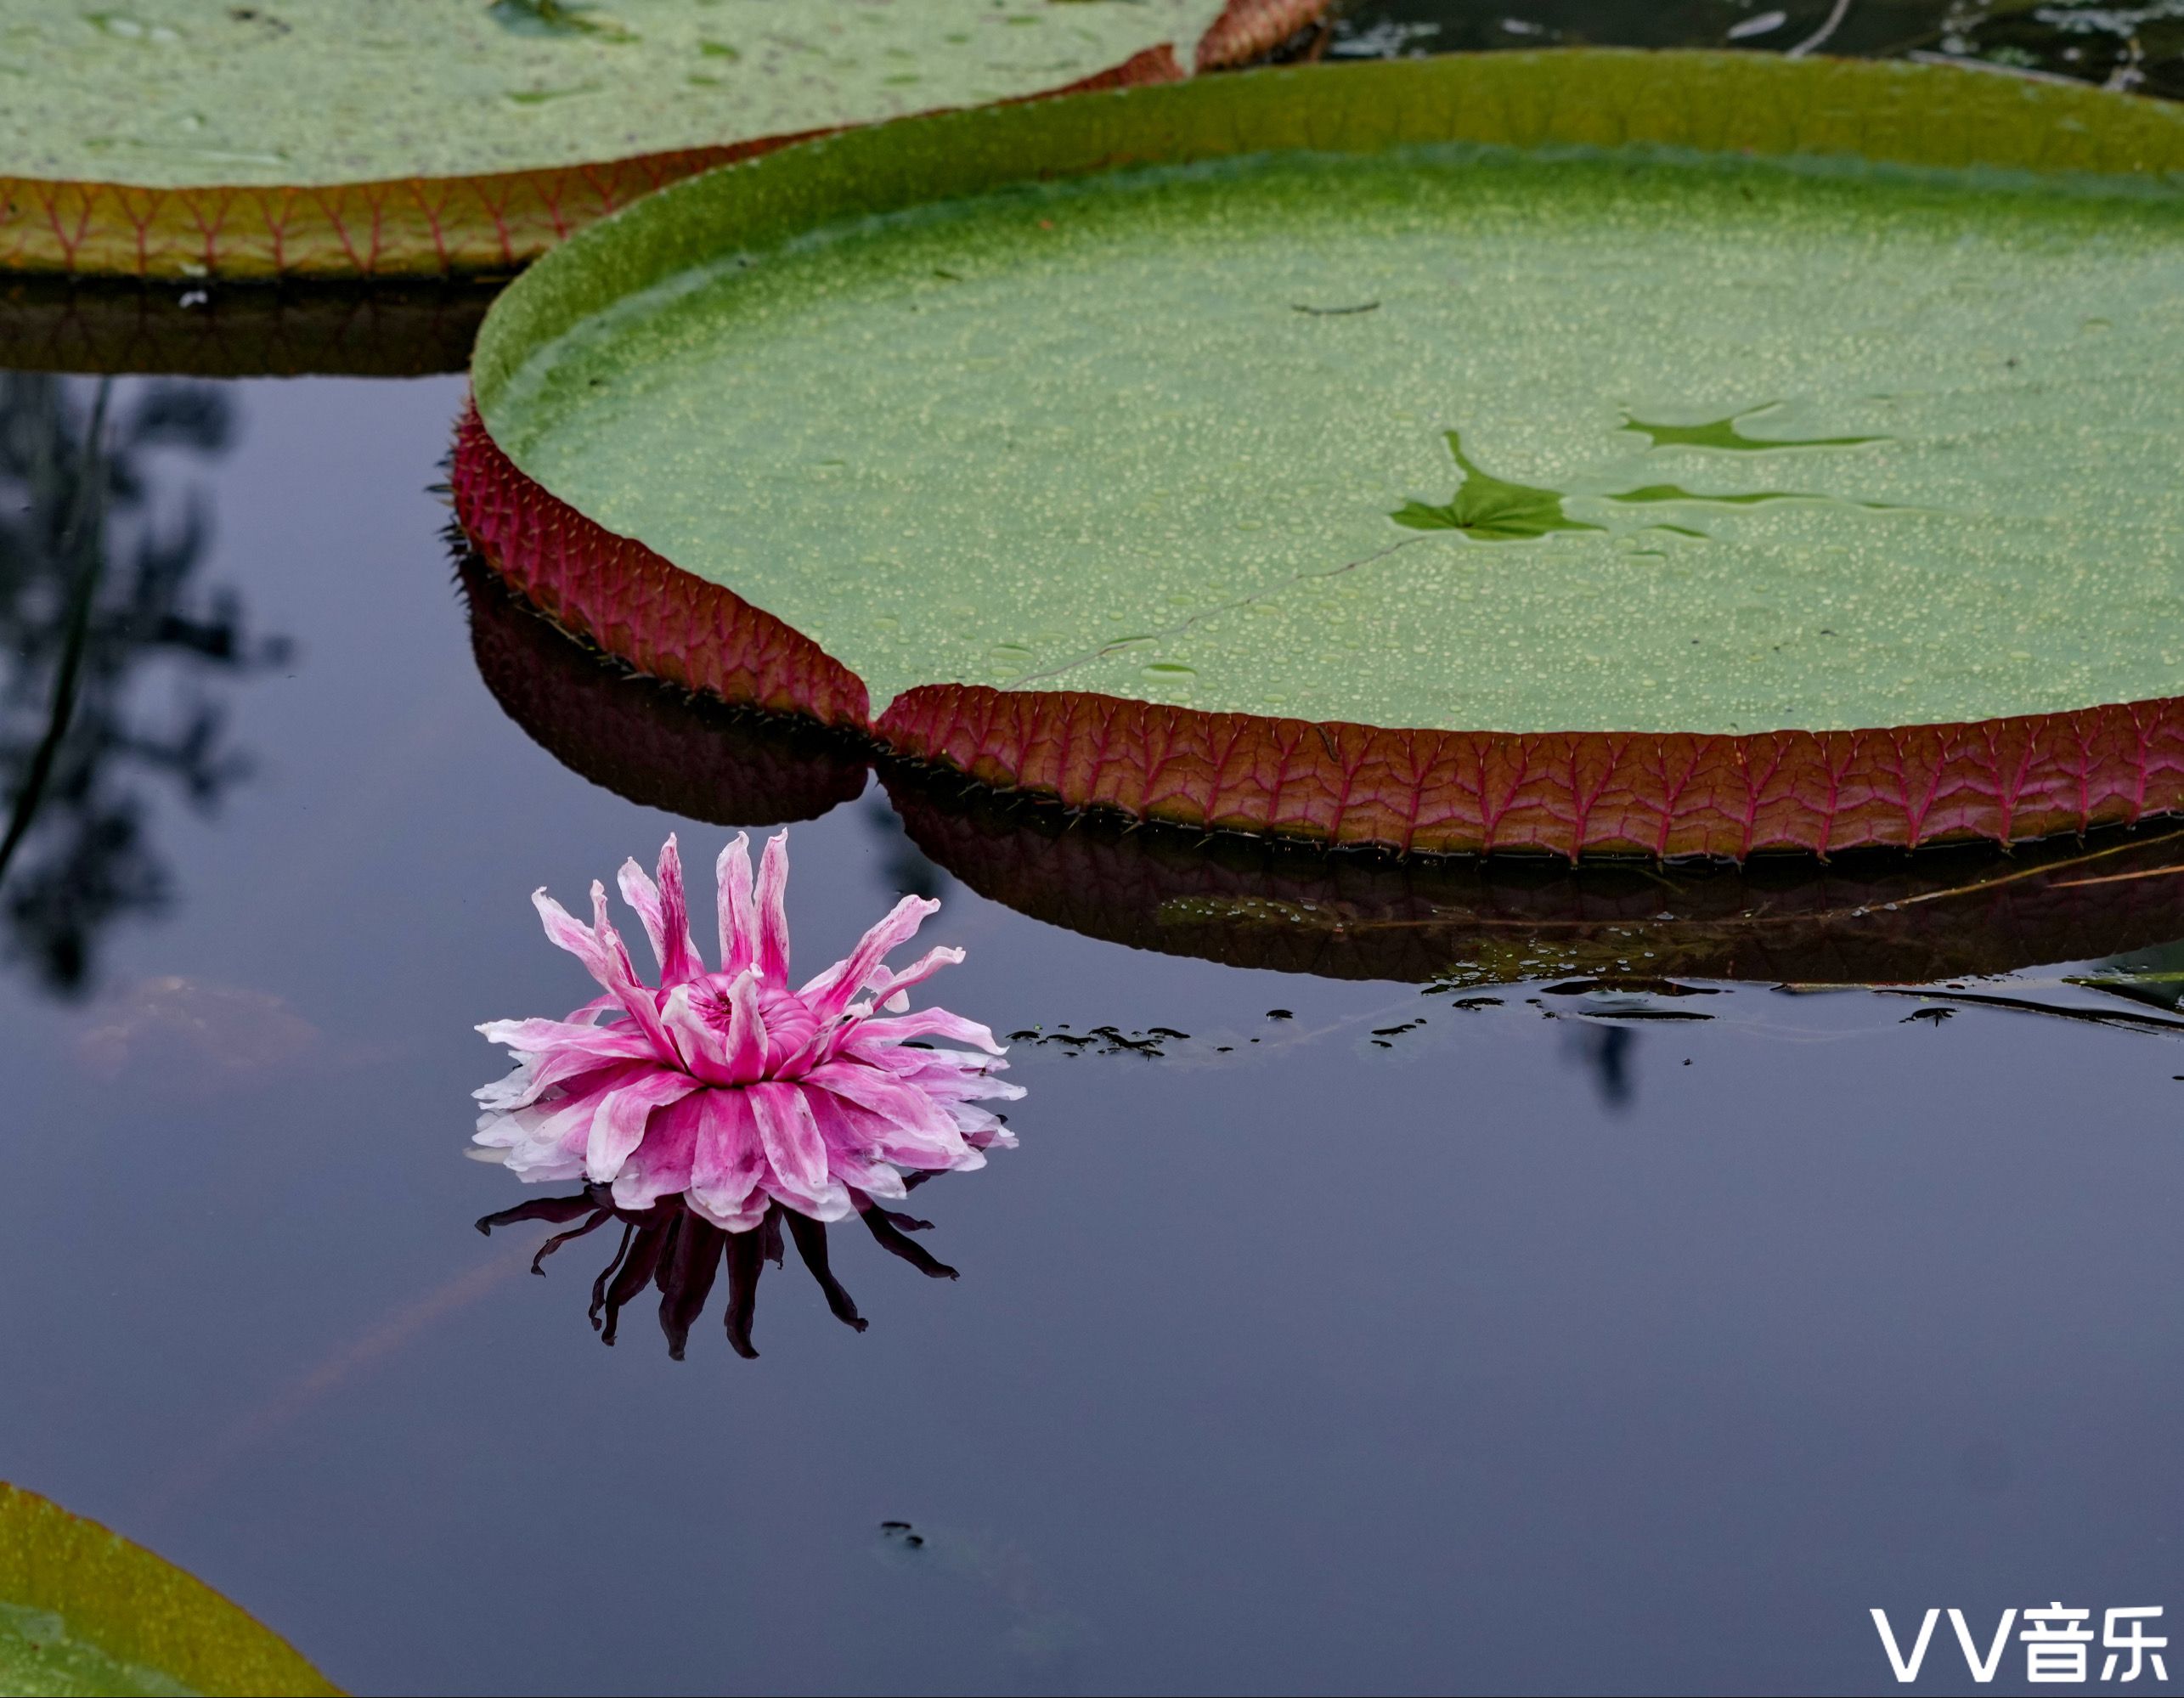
(303, 137)
(1598, 451)
(84, 1611)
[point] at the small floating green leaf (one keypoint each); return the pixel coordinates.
(1490, 508)
(1723, 433)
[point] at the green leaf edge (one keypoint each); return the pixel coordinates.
(137, 1607)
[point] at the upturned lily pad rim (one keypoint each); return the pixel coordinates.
(1871, 917)
(1570, 793)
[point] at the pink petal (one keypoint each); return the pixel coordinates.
(703, 1046)
(886, 985)
(982, 1130)
(644, 896)
(613, 949)
(831, 1202)
(564, 932)
(547, 1142)
(729, 1160)
(575, 1073)
(660, 1165)
(928, 1140)
(620, 1122)
(743, 1056)
(929, 1023)
(739, 922)
(870, 1174)
(600, 951)
(807, 1055)
(794, 1150)
(773, 910)
(829, 999)
(852, 1151)
(796, 1155)
(879, 1093)
(740, 1219)
(537, 1037)
(664, 913)
(954, 1075)
(680, 962)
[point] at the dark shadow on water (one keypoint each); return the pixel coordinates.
(1865, 919)
(672, 1250)
(645, 741)
(97, 599)
(230, 331)
(904, 869)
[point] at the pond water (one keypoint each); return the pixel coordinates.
(1406, 1281)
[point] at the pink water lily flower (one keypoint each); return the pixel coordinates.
(730, 1088)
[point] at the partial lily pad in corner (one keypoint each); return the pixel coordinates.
(406, 137)
(1819, 418)
(82, 1610)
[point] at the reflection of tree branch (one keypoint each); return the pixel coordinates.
(80, 548)
(91, 592)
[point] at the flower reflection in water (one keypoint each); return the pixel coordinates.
(708, 1108)
(671, 1247)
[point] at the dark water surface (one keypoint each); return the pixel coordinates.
(1585, 1321)
(1529, 1347)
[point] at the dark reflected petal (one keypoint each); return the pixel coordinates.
(651, 1243)
(599, 1285)
(886, 1231)
(554, 1209)
(743, 1264)
(558, 1239)
(675, 1249)
(811, 1238)
(685, 1280)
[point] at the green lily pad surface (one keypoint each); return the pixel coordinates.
(1448, 436)
(85, 1612)
(174, 93)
